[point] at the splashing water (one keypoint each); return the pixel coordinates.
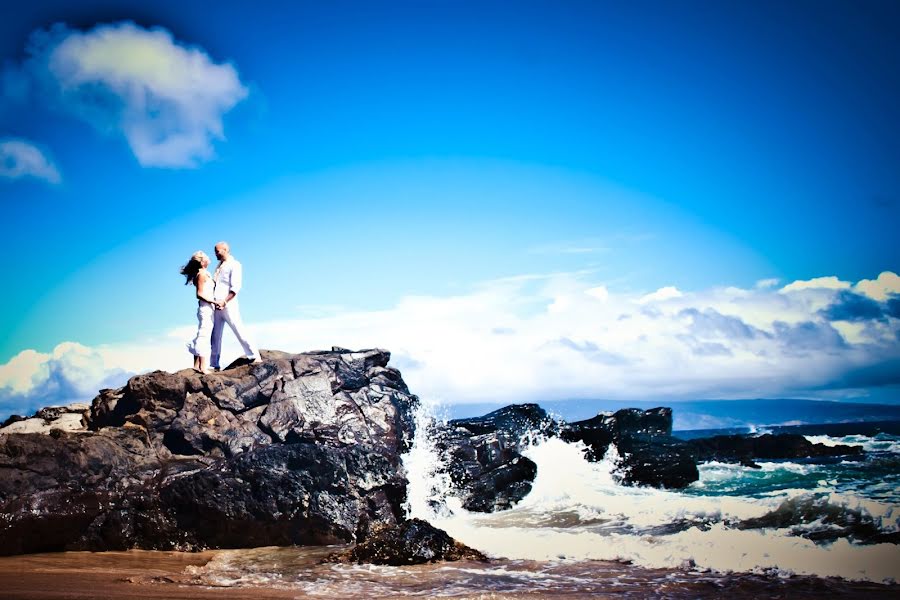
(577, 510)
(430, 490)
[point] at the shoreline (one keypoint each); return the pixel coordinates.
(145, 574)
(170, 575)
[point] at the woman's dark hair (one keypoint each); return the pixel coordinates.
(191, 269)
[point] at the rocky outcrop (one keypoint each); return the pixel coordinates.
(643, 438)
(66, 418)
(483, 456)
(745, 448)
(298, 449)
(412, 542)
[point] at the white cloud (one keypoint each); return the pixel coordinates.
(23, 371)
(20, 158)
(599, 292)
(854, 333)
(166, 98)
(767, 283)
(70, 373)
(542, 339)
(879, 289)
(818, 283)
(662, 294)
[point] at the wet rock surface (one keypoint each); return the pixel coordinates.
(744, 448)
(483, 455)
(411, 542)
(643, 438)
(298, 449)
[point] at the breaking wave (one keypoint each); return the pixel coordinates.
(787, 518)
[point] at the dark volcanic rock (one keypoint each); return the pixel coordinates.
(502, 487)
(658, 461)
(53, 487)
(286, 494)
(643, 438)
(515, 420)
(483, 455)
(740, 448)
(484, 461)
(298, 449)
(599, 432)
(411, 542)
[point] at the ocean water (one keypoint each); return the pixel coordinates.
(796, 528)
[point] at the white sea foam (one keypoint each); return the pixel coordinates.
(879, 443)
(885, 516)
(576, 510)
(758, 430)
(796, 468)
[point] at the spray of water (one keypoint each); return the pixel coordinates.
(430, 493)
(576, 510)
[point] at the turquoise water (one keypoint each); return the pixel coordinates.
(875, 476)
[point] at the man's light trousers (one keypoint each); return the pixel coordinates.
(231, 314)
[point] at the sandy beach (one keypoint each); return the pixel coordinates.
(133, 574)
(180, 575)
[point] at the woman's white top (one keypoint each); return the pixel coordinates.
(206, 288)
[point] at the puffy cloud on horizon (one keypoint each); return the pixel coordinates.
(880, 289)
(818, 283)
(20, 158)
(664, 293)
(560, 336)
(166, 98)
(70, 373)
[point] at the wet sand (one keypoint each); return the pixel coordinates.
(280, 573)
(114, 575)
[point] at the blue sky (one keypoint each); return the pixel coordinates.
(359, 154)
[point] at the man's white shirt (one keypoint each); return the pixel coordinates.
(228, 278)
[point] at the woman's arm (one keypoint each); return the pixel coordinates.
(198, 283)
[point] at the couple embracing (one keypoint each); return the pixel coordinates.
(217, 305)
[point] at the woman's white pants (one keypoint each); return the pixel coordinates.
(201, 345)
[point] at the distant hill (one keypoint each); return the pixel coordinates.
(866, 428)
(716, 414)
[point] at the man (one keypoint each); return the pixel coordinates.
(227, 281)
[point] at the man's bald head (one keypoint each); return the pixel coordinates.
(222, 250)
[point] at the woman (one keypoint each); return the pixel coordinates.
(195, 272)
